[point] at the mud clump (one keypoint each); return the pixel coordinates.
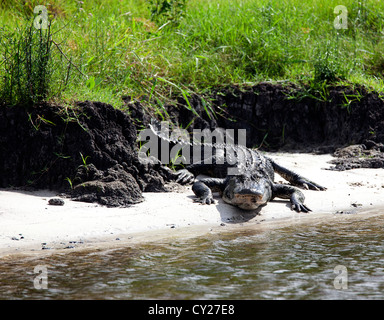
(112, 187)
(87, 151)
(368, 155)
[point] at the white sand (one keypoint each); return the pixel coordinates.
(27, 221)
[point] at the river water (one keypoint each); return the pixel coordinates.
(336, 259)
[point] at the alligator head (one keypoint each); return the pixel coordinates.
(247, 192)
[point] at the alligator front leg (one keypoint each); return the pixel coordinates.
(295, 178)
(186, 176)
(202, 189)
(293, 194)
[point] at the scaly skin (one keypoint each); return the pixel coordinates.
(254, 185)
(247, 183)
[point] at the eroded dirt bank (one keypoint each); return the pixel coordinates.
(286, 118)
(90, 151)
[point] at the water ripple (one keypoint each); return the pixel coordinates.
(287, 263)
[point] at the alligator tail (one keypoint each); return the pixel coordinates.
(177, 136)
(182, 137)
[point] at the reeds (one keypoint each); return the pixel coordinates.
(26, 68)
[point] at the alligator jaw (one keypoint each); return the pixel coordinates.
(250, 201)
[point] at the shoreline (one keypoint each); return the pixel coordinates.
(30, 226)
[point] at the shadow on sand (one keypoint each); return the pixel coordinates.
(231, 214)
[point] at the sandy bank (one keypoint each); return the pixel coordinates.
(29, 225)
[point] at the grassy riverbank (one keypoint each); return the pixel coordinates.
(103, 50)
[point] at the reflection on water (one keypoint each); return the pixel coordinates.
(296, 262)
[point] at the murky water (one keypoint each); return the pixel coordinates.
(336, 259)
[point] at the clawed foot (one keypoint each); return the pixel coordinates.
(205, 200)
(184, 176)
(300, 207)
(297, 202)
(306, 184)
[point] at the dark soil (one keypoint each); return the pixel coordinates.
(368, 155)
(281, 117)
(89, 151)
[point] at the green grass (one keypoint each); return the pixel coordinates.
(116, 49)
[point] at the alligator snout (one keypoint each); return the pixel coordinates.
(247, 194)
(250, 199)
(252, 196)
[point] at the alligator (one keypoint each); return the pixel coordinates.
(247, 183)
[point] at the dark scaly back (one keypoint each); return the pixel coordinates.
(247, 161)
(254, 163)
